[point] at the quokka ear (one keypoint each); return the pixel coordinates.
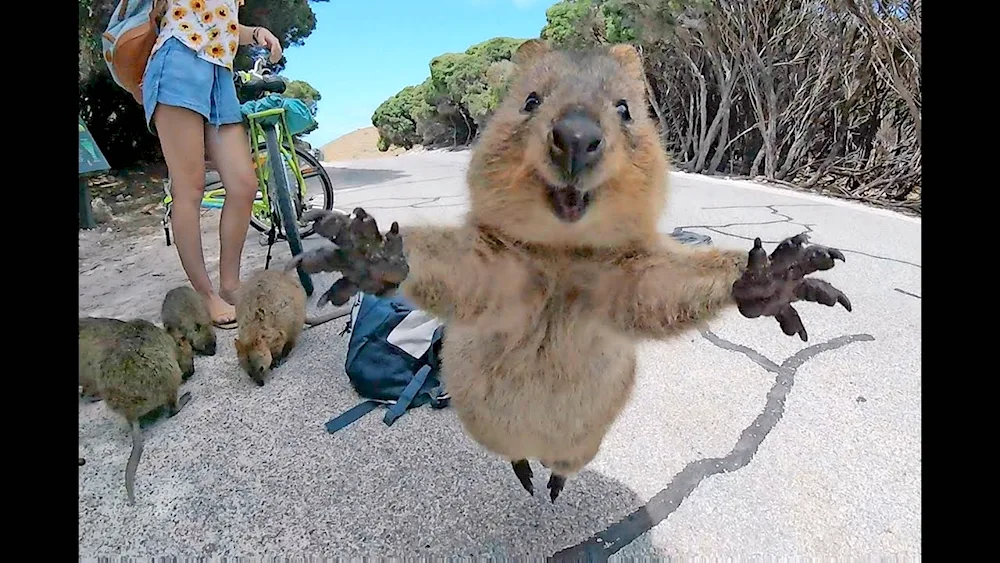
(529, 51)
(628, 56)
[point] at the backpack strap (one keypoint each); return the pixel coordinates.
(351, 416)
(406, 397)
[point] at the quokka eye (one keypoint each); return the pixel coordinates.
(622, 107)
(532, 102)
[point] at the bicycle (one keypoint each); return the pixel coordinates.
(278, 208)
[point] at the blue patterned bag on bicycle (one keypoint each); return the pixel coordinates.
(300, 120)
(393, 358)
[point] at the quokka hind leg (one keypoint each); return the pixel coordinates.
(563, 469)
(522, 469)
(560, 471)
(178, 404)
(555, 485)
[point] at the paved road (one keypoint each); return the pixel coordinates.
(739, 440)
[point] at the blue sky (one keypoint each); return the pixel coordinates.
(362, 52)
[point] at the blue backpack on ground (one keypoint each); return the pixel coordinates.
(393, 358)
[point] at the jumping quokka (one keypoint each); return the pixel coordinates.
(138, 375)
(270, 313)
(559, 269)
(184, 314)
(99, 335)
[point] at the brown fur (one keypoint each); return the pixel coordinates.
(543, 314)
(184, 314)
(271, 313)
(558, 269)
(98, 336)
(139, 374)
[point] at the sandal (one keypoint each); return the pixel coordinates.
(228, 325)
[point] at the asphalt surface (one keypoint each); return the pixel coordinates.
(739, 441)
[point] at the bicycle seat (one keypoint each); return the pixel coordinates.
(256, 87)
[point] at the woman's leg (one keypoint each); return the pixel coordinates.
(229, 149)
(182, 138)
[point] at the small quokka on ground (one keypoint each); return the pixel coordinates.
(184, 315)
(99, 335)
(270, 313)
(135, 376)
(559, 270)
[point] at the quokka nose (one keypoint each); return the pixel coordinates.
(577, 142)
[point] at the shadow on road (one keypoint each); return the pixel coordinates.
(356, 177)
(454, 499)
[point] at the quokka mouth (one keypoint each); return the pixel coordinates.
(569, 203)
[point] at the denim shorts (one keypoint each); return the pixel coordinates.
(176, 76)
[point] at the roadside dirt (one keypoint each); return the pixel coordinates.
(358, 144)
(125, 266)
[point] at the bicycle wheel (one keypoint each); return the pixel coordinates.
(278, 189)
(318, 190)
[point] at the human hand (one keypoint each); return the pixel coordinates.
(264, 38)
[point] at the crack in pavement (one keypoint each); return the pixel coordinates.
(424, 199)
(904, 292)
(436, 200)
(429, 203)
(771, 205)
(785, 219)
(424, 203)
(608, 542)
(394, 183)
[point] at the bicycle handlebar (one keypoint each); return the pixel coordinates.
(259, 79)
(261, 65)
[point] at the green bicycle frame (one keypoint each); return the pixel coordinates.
(261, 205)
(257, 133)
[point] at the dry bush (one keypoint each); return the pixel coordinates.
(820, 94)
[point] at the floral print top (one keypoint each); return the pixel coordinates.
(209, 27)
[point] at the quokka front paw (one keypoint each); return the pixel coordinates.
(770, 284)
(367, 260)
